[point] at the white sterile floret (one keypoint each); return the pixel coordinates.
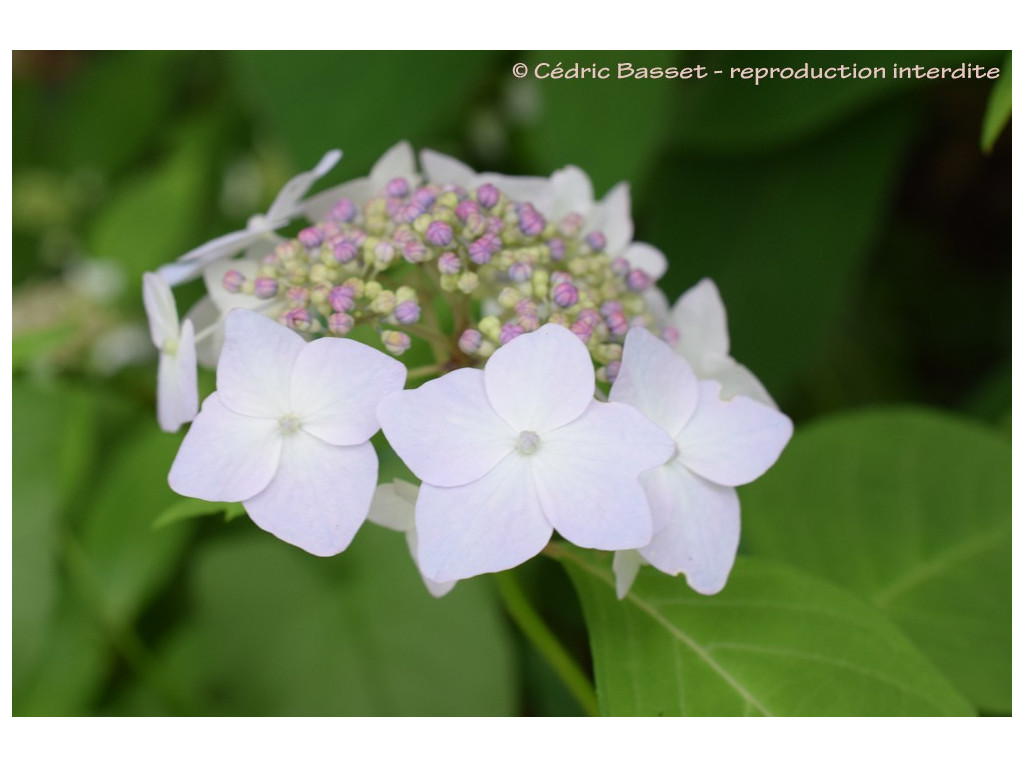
(394, 507)
(399, 162)
(719, 444)
(258, 237)
(177, 391)
(699, 317)
(442, 169)
(522, 448)
(287, 432)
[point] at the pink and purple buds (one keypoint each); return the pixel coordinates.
(311, 237)
(467, 208)
(470, 340)
(232, 281)
(520, 272)
(398, 187)
(510, 331)
(340, 323)
(488, 195)
(395, 342)
(265, 287)
(344, 251)
(597, 241)
(481, 250)
(449, 264)
(557, 248)
(298, 319)
(414, 251)
(342, 298)
(531, 221)
(439, 233)
(407, 312)
(638, 281)
(565, 294)
(343, 210)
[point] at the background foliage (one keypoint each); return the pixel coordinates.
(860, 237)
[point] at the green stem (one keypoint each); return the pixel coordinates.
(536, 631)
(423, 372)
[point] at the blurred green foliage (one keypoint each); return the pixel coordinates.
(861, 242)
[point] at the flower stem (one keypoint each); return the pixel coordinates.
(536, 631)
(423, 372)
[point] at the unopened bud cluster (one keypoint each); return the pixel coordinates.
(506, 268)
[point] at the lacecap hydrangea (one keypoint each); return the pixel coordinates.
(562, 393)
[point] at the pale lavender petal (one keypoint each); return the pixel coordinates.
(177, 392)
(192, 263)
(492, 524)
(625, 565)
(655, 380)
(571, 192)
(320, 495)
(161, 310)
(613, 217)
(732, 442)
(646, 257)
(703, 533)
(522, 189)
(394, 505)
(699, 316)
(587, 475)
(285, 204)
(206, 318)
(446, 431)
(255, 367)
(540, 380)
(336, 385)
(225, 456)
(737, 379)
(442, 169)
(435, 588)
(397, 162)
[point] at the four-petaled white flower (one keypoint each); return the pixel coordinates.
(719, 444)
(258, 237)
(399, 162)
(699, 318)
(522, 448)
(394, 507)
(287, 432)
(177, 391)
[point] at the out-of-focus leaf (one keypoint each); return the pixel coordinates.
(74, 661)
(187, 509)
(781, 234)
(774, 642)
(130, 560)
(360, 101)
(53, 432)
(1000, 104)
(38, 343)
(278, 632)
(116, 106)
(910, 509)
(151, 219)
(613, 129)
(727, 114)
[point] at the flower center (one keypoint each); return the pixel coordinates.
(289, 424)
(170, 347)
(527, 443)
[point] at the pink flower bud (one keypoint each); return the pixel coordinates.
(565, 294)
(488, 195)
(469, 341)
(232, 281)
(407, 312)
(395, 342)
(311, 237)
(340, 323)
(343, 210)
(439, 233)
(341, 298)
(265, 287)
(397, 187)
(449, 264)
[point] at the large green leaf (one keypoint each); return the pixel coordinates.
(276, 631)
(782, 234)
(910, 509)
(774, 642)
(613, 129)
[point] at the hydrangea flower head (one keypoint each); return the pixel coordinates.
(509, 454)
(719, 444)
(177, 390)
(287, 432)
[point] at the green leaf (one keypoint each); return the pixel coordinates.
(276, 631)
(774, 642)
(187, 509)
(131, 561)
(613, 129)
(910, 509)
(1000, 105)
(782, 234)
(360, 101)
